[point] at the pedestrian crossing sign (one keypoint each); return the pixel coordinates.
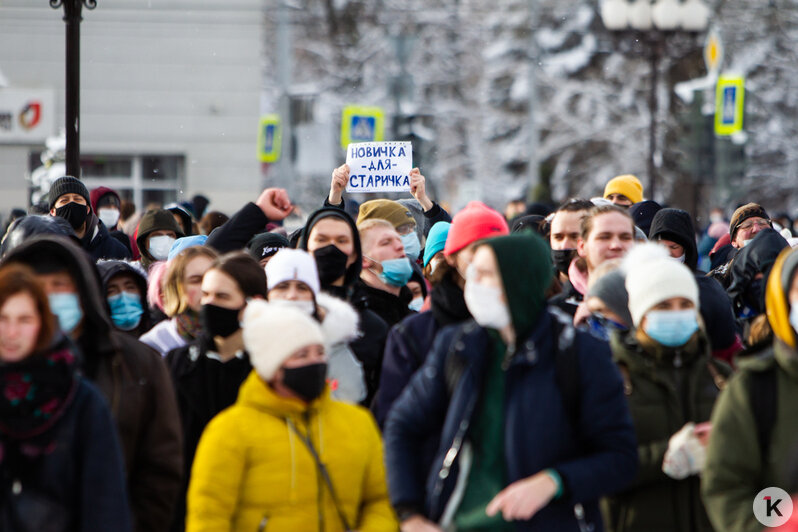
(362, 124)
(269, 139)
(729, 96)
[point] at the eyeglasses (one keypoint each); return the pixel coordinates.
(750, 224)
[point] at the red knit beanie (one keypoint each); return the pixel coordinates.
(475, 222)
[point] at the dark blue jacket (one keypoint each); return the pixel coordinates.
(405, 351)
(597, 457)
(80, 485)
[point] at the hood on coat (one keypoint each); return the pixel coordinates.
(97, 194)
(110, 268)
(776, 303)
(756, 257)
(340, 321)
(45, 251)
(27, 227)
(185, 216)
(526, 271)
(155, 220)
(676, 225)
(353, 272)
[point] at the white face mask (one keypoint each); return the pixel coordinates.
(794, 316)
(308, 307)
(680, 258)
(416, 304)
(485, 304)
(159, 246)
(108, 216)
(746, 242)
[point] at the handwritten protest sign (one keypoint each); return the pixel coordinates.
(379, 166)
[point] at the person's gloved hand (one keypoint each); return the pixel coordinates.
(685, 455)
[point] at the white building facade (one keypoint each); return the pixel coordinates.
(170, 97)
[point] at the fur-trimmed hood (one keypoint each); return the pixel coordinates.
(341, 320)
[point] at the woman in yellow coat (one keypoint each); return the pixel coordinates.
(286, 456)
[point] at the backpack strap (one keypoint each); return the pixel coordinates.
(763, 395)
(455, 365)
(717, 377)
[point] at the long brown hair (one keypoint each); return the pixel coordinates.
(19, 279)
(245, 271)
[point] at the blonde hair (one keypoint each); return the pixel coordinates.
(174, 295)
(371, 224)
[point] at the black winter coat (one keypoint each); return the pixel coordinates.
(392, 309)
(80, 485)
(205, 386)
(102, 245)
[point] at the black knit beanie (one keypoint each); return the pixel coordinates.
(67, 185)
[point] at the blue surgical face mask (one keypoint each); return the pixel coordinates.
(396, 272)
(126, 310)
(66, 306)
(412, 246)
(671, 328)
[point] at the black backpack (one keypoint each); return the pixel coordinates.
(566, 365)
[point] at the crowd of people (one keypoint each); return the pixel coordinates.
(605, 365)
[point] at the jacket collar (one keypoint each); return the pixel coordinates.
(646, 356)
(257, 394)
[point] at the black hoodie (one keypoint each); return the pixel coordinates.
(369, 347)
(131, 376)
(676, 225)
(715, 307)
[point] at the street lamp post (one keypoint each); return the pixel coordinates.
(655, 19)
(72, 18)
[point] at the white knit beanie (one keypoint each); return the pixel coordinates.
(293, 265)
(273, 333)
(652, 277)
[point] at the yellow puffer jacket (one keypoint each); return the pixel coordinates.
(253, 473)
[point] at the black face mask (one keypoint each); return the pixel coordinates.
(562, 259)
(219, 321)
(331, 263)
(74, 213)
(306, 381)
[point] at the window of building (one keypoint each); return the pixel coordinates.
(146, 180)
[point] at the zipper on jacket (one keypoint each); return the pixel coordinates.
(579, 513)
